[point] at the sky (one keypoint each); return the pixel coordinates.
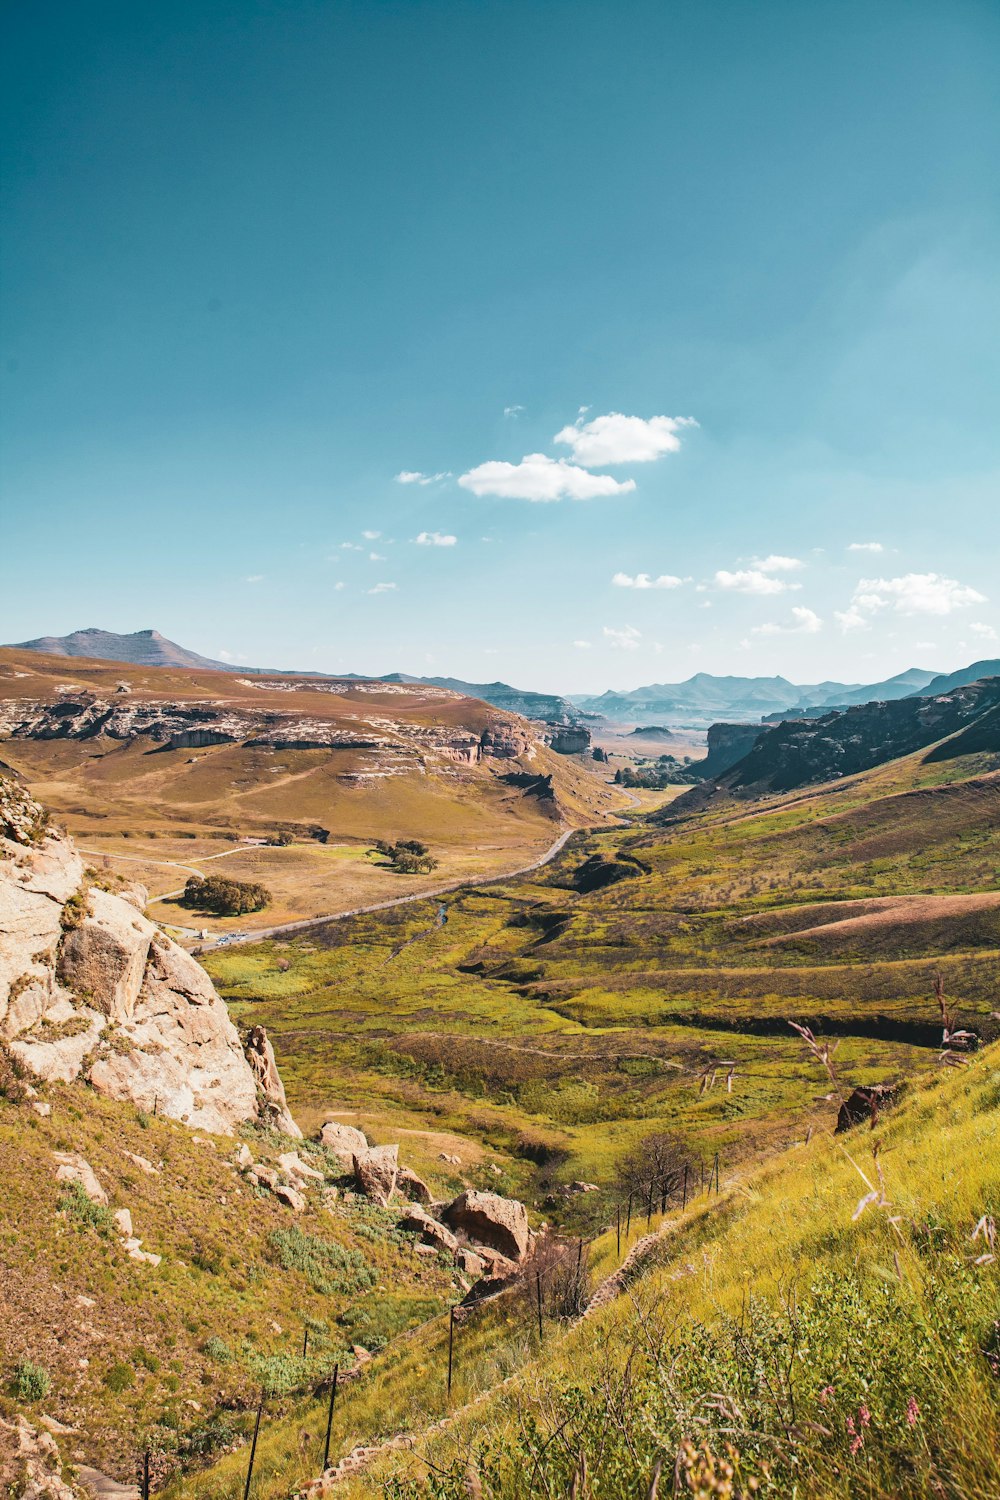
(580, 345)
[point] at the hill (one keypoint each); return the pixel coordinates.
(143, 648)
(974, 673)
(797, 752)
(285, 780)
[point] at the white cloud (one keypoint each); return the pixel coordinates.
(644, 581)
(351, 547)
(914, 594)
(985, 632)
(376, 557)
(625, 639)
(513, 411)
(865, 547)
(371, 536)
(382, 588)
(617, 439)
(414, 476)
(538, 477)
(435, 539)
(775, 563)
(752, 581)
(255, 578)
(339, 586)
(804, 622)
(582, 645)
(851, 619)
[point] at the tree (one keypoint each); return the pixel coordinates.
(226, 898)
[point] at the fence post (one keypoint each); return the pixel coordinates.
(329, 1419)
(253, 1446)
(305, 1339)
(618, 1230)
(538, 1293)
(145, 1475)
(716, 1174)
(451, 1346)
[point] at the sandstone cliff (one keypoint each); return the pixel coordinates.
(89, 988)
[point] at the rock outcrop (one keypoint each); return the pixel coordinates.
(376, 1169)
(488, 1219)
(866, 1104)
(90, 988)
(343, 1142)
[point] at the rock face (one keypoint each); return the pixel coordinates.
(568, 740)
(376, 1169)
(274, 1105)
(488, 1219)
(728, 743)
(89, 988)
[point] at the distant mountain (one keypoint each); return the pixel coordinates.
(704, 699)
(799, 752)
(148, 648)
(143, 648)
(948, 680)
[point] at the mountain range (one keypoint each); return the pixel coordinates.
(697, 702)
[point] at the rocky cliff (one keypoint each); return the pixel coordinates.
(90, 989)
(800, 752)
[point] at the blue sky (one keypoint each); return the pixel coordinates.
(726, 271)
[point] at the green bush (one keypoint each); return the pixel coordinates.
(31, 1382)
(77, 1205)
(217, 1349)
(329, 1268)
(226, 898)
(119, 1378)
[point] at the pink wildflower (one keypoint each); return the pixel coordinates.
(864, 1415)
(825, 1394)
(912, 1412)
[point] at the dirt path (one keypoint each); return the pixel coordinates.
(259, 934)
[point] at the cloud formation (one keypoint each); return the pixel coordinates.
(645, 581)
(626, 638)
(803, 622)
(435, 539)
(985, 632)
(540, 478)
(865, 547)
(414, 476)
(617, 439)
(913, 594)
(382, 588)
(753, 581)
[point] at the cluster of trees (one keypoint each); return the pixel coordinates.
(226, 898)
(407, 856)
(655, 775)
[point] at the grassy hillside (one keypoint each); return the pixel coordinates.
(829, 1324)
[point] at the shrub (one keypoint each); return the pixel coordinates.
(119, 1377)
(328, 1267)
(217, 1349)
(75, 1203)
(31, 1382)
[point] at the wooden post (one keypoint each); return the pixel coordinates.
(685, 1203)
(716, 1174)
(618, 1230)
(145, 1475)
(329, 1420)
(538, 1293)
(305, 1339)
(451, 1347)
(253, 1447)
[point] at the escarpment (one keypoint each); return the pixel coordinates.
(91, 989)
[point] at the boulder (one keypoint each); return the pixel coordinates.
(488, 1219)
(291, 1163)
(375, 1170)
(123, 1222)
(31, 1461)
(866, 1104)
(413, 1187)
(343, 1141)
(286, 1194)
(74, 1168)
(468, 1261)
(263, 1176)
(274, 1105)
(244, 1156)
(419, 1221)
